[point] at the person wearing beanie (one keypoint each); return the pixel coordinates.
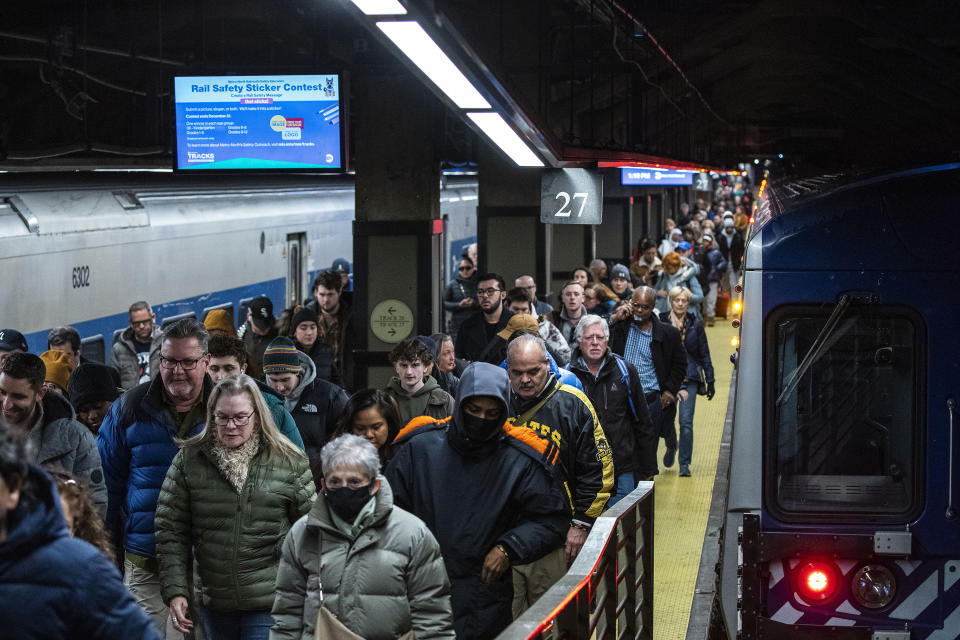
(731, 244)
(220, 322)
(314, 403)
(620, 282)
(92, 389)
(305, 332)
(59, 367)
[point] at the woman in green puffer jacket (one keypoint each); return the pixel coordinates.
(230, 496)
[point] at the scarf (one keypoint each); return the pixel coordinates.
(235, 463)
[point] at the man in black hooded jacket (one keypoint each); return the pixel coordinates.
(485, 497)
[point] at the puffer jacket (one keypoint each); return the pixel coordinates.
(387, 580)
(53, 586)
(494, 492)
(428, 400)
(623, 411)
(576, 447)
(236, 538)
(59, 441)
(124, 358)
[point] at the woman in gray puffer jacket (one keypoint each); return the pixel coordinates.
(380, 574)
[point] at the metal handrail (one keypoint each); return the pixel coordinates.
(589, 598)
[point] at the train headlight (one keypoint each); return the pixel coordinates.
(873, 586)
(816, 581)
(737, 306)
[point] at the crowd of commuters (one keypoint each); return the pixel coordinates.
(221, 483)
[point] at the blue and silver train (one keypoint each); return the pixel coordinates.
(843, 515)
(78, 249)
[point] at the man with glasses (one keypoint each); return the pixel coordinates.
(491, 318)
(137, 443)
(528, 284)
(136, 351)
(459, 296)
(655, 349)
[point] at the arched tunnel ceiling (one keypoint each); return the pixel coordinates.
(827, 84)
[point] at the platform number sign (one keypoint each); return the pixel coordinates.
(571, 196)
(701, 182)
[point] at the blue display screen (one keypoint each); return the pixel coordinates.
(258, 122)
(650, 175)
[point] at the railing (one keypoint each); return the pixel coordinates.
(608, 590)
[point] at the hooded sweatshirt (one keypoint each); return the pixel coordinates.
(428, 400)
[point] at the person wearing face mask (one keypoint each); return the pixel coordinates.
(230, 495)
(731, 245)
(377, 566)
(483, 492)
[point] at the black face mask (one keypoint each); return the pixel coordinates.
(347, 502)
(481, 429)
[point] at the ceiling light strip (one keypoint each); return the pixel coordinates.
(502, 135)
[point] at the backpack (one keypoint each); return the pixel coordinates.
(625, 377)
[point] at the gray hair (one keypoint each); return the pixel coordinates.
(527, 338)
(142, 305)
(587, 321)
(676, 292)
(350, 452)
(187, 328)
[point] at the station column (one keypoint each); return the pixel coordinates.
(396, 243)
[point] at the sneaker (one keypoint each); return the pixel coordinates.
(669, 457)
(684, 471)
(710, 321)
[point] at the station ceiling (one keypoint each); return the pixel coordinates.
(829, 85)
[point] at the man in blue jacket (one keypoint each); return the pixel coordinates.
(485, 497)
(53, 586)
(137, 444)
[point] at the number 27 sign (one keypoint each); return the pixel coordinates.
(571, 196)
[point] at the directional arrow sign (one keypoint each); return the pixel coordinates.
(391, 321)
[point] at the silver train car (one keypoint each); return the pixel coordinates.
(78, 249)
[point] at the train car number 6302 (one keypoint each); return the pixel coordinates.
(81, 277)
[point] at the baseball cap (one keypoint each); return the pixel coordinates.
(340, 265)
(683, 245)
(12, 340)
(519, 322)
(261, 309)
(619, 271)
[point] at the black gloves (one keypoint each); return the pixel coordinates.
(711, 390)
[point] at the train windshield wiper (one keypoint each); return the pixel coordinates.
(822, 342)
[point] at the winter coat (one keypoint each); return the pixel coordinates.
(235, 538)
(694, 338)
(124, 358)
(428, 400)
(281, 417)
(385, 581)
(622, 409)
(473, 496)
(559, 318)
(669, 356)
(556, 343)
(54, 586)
(59, 441)
(731, 248)
(458, 289)
(718, 265)
(563, 375)
(447, 381)
(315, 406)
(574, 445)
(321, 354)
(255, 345)
(472, 337)
(686, 276)
(346, 339)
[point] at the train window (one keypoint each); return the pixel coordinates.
(845, 401)
(92, 348)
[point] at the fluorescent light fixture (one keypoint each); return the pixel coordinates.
(506, 138)
(380, 7)
(424, 52)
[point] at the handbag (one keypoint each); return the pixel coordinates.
(701, 382)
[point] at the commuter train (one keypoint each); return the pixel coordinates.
(843, 514)
(78, 249)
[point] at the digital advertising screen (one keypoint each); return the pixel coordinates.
(262, 122)
(654, 176)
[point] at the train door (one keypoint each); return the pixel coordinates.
(296, 268)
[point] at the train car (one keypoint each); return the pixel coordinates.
(79, 249)
(843, 514)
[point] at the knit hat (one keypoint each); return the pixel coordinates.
(281, 356)
(619, 271)
(11, 340)
(59, 367)
(92, 382)
(519, 322)
(220, 320)
(430, 344)
(305, 314)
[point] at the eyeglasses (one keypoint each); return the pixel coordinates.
(241, 419)
(141, 323)
(640, 305)
(188, 364)
(487, 292)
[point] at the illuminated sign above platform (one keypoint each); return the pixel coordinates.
(654, 176)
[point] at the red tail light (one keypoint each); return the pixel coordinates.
(817, 581)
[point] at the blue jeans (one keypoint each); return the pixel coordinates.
(626, 482)
(235, 625)
(685, 412)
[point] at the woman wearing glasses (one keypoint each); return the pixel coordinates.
(460, 297)
(231, 495)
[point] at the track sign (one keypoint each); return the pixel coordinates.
(571, 196)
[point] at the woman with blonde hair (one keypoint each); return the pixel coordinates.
(694, 340)
(231, 495)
